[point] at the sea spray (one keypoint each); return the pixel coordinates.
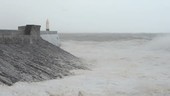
(161, 43)
(120, 68)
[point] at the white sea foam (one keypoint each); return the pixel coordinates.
(119, 68)
(161, 43)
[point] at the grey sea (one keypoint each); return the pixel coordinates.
(120, 64)
(108, 36)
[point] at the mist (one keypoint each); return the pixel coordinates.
(160, 43)
(136, 67)
(88, 16)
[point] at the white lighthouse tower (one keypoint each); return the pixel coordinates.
(47, 25)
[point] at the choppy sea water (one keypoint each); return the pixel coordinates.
(121, 65)
(101, 37)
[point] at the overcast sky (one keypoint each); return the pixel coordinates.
(88, 15)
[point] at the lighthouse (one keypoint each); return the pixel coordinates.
(47, 25)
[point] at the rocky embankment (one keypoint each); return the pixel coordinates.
(35, 62)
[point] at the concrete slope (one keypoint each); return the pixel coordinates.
(35, 62)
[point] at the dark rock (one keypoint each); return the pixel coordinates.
(35, 62)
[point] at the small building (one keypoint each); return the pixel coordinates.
(30, 30)
(24, 34)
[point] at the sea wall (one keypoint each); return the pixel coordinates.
(52, 37)
(35, 62)
(19, 39)
(10, 32)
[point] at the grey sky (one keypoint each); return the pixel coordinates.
(88, 15)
